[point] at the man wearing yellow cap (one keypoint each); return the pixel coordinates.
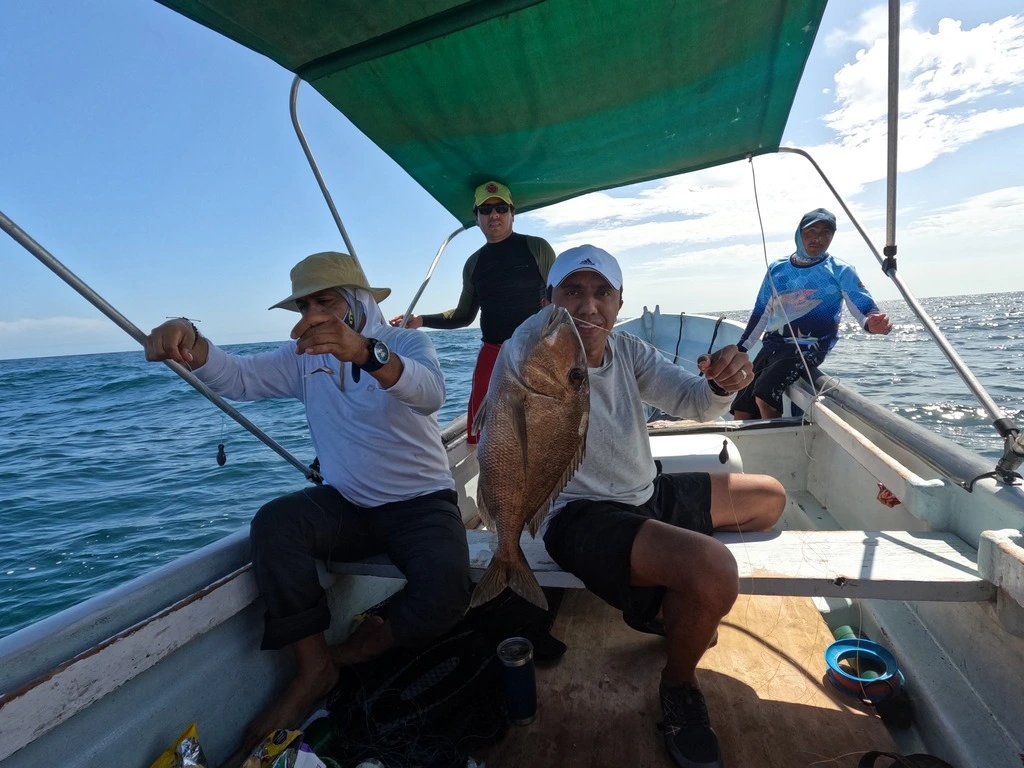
(370, 393)
(505, 281)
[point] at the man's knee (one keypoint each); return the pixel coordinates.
(272, 522)
(430, 610)
(772, 498)
(719, 581)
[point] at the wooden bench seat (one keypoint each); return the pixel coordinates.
(890, 565)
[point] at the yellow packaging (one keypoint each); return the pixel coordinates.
(265, 755)
(184, 753)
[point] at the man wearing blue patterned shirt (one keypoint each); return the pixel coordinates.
(798, 310)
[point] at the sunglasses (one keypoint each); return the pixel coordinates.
(485, 210)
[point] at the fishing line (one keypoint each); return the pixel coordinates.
(817, 394)
(631, 337)
(778, 301)
(771, 280)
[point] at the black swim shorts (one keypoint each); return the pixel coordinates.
(594, 539)
(774, 369)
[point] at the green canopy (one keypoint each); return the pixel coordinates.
(555, 98)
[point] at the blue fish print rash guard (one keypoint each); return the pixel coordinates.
(809, 302)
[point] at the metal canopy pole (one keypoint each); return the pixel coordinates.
(1004, 425)
(293, 106)
(430, 272)
(892, 138)
(25, 241)
(965, 373)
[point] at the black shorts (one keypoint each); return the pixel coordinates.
(593, 540)
(774, 370)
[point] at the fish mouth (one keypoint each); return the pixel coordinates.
(557, 317)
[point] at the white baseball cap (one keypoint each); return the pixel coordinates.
(585, 257)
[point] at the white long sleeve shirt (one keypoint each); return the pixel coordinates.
(375, 445)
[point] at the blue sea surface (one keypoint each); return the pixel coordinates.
(108, 463)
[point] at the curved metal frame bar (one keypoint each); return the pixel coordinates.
(293, 108)
(25, 241)
(293, 105)
(430, 272)
(961, 368)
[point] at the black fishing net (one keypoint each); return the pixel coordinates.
(431, 707)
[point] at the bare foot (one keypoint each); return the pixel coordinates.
(315, 677)
(371, 638)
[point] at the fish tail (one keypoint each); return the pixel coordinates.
(516, 575)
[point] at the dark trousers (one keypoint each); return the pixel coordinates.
(424, 537)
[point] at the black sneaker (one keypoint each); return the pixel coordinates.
(688, 735)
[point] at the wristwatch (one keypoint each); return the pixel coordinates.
(720, 391)
(379, 355)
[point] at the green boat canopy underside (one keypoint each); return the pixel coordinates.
(554, 97)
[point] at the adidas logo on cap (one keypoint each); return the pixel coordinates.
(586, 257)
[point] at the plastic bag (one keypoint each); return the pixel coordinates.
(273, 751)
(184, 753)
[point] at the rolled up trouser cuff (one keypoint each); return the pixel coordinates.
(285, 630)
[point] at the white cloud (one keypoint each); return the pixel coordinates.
(50, 326)
(941, 73)
(994, 214)
(957, 85)
(41, 337)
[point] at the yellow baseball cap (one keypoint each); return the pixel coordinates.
(492, 189)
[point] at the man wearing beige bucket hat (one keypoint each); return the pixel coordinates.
(371, 393)
(504, 280)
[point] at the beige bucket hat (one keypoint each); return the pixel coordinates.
(329, 269)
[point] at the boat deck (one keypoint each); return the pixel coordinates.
(763, 682)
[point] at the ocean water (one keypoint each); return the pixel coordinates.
(108, 463)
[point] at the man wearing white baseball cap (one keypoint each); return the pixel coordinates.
(638, 539)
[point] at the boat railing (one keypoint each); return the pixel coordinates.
(947, 458)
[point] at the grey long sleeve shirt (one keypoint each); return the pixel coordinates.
(618, 465)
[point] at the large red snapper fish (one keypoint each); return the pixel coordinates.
(533, 432)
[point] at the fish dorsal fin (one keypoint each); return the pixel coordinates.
(538, 517)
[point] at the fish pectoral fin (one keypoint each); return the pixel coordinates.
(519, 427)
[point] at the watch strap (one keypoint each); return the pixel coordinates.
(372, 363)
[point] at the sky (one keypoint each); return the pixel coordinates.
(157, 161)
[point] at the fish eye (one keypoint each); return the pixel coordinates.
(575, 375)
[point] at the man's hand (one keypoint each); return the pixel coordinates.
(415, 321)
(728, 368)
(176, 340)
(329, 335)
(878, 323)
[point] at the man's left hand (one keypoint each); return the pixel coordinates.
(728, 368)
(329, 335)
(878, 323)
